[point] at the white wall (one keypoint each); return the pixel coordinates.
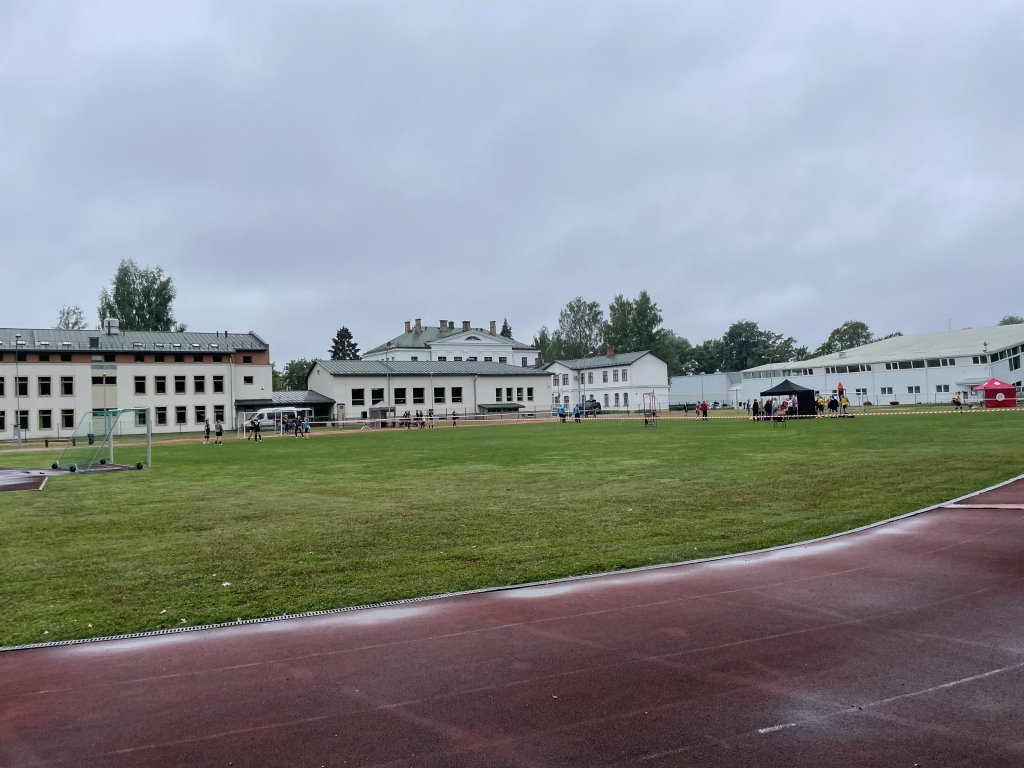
(647, 374)
(465, 344)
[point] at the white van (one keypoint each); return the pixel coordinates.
(270, 418)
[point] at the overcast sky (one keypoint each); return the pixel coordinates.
(298, 166)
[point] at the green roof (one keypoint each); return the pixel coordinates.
(301, 397)
(59, 340)
(423, 368)
(604, 361)
(429, 335)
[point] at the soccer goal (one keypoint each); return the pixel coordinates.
(114, 439)
(650, 409)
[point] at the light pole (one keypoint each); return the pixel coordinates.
(17, 391)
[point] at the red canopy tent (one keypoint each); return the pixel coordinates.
(998, 394)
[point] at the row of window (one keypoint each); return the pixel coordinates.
(508, 394)
(607, 400)
(45, 417)
(590, 377)
(109, 357)
(401, 395)
(914, 390)
(44, 385)
(936, 362)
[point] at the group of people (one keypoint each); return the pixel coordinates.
(700, 410)
(299, 426)
(218, 431)
(772, 408)
(419, 420)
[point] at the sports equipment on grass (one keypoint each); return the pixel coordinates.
(109, 438)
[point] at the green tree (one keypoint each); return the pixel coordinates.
(71, 318)
(681, 361)
(580, 329)
(343, 347)
(293, 377)
(852, 333)
(275, 377)
(506, 329)
(1011, 320)
(635, 325)
(547, 346)
(140, 299)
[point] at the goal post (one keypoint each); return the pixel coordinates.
(650, 409)
(113, 437)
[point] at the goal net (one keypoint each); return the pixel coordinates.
(109, 438)
(650, 409)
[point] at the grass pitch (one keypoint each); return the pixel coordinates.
(217, 533)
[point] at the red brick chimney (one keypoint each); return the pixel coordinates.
(611, 351)
(419, 325)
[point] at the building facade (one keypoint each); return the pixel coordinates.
(617, 382)
(923, 368)
(411, 385)
(50, 378)
(443, 343)
(722, 388)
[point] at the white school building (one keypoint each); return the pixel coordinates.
(446, 344)
(616, 381)
(50, 378)
(923, 368)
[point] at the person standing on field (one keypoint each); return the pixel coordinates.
(219, 431)
(257, 434)
(704, 409)
(455, 419)
(206, 433)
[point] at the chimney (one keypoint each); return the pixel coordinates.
(112, 325)
(451, 325)
(536, 362)
(444, 325)
(494, 327)
(419, 325)
(465, 325)
(611, 351)
(408, 326)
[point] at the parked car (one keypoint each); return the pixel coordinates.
(590, 408)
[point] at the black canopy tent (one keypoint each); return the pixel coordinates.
(804, 396)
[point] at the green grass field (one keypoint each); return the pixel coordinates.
(363, 517)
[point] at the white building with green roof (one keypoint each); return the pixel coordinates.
(616, 381)
(447, 344)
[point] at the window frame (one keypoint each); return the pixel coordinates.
(65, 390)
(140, 380)
(47, 382)
(67, 418)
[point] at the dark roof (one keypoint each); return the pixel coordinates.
(787, 387)
(499, 407)
(423, 367)
(59, 340)
(432, 334)
(301, 397)
(604, 361)
(258, 402)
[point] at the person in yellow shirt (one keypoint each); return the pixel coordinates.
(844, 401)
(821, 406)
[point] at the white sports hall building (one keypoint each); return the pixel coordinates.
(923, 368)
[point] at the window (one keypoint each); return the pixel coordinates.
(519, 394)
(438, 394)
(456, 394)
(457, 359)
(502, 359)
(218, 412)
(200, 414)
(21, 357)
(218, 385)
(94, 342)
(486, 359)
(604, 378)
(615, 375)
(3, 421)
(470, 359)
(979, 360)
(590, 377)
(179, 385)
(554, 381)
(161, 415)
(399, 395)
(1015, 363)
(606, 401)
(197, 358)
(247, 379)
(565, 379)
(140, 385)
(23, 420)
(886, 390)
(625, 374)
(616, 399)
(109, 359)
(497, 394)
(414, 358)
(442, 358)
(158, 358)
(247, 359)
(3, 393)
(65, 357)
(67, 418)
(625, 398)
(861, 392)
(529, 394)
(160, 385)
(199, 385)
(358, 397)
(179, 358)
(23, 386)
(180, 414)
(44, 357)
(942, 387)
(376, 395)
(523, 364)
(913, 390)
(140, 358)
(417, 396)
(67, 386)
(566, 400)
(46, 419)
(43, 385)
(218, 359)
(140, 418)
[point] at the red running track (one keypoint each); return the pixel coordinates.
(894, 646)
